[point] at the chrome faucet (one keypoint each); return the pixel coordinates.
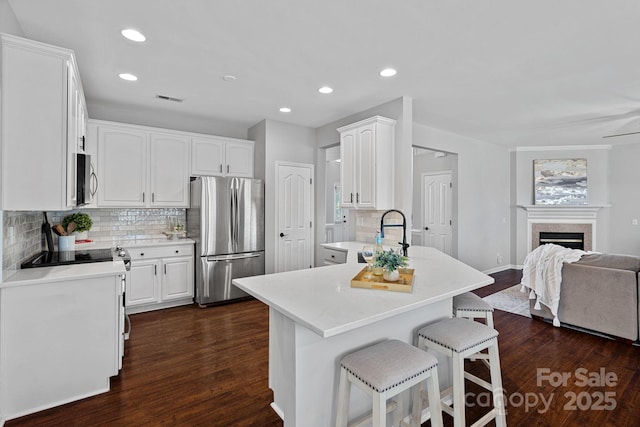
(404, 243)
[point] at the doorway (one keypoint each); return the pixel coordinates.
(294, 210)
(436, 210)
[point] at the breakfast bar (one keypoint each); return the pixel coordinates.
(316, 318)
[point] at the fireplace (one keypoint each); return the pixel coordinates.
(568, 240)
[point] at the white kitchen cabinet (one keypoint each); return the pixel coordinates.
(122, 166)
(169, 170)
(42, 107)
(60, 340)
(334, 256)
(139, 167)
(367, 165)
(160, 277)
(217, 156)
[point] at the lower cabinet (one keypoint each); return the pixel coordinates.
(60, 340)
(160, 277)
(334, 256)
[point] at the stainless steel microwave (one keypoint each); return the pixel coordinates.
(84, 176)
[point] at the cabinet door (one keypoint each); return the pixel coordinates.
(122, 167)
(207, 157)
(365, 181)
(169, 165)
(347, 169)
(177, 279)
(239, 159)
(73, 126)
(142, 283)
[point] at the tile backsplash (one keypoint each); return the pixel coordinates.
(368, 224)
(22, 235)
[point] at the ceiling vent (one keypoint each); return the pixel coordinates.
(169, 98)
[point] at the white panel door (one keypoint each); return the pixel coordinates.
(207, 156)
(294, 210)
(348, 168)
(122, 166)
(436, 211)
(177, 279)
(169, 165)
(239, 156)
(365, 167)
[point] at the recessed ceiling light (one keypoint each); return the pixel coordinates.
(285, 110)
(128, 77)
(133, 35)
(388, 72)
(325, 89)
(229, 78)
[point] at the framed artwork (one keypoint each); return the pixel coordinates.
(560, 182)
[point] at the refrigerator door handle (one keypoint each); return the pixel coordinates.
(234, 256)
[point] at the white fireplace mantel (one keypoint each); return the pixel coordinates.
(562, 211)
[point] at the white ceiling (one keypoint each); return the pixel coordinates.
(505, 71)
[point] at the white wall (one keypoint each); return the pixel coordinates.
(163, 119)
(597, 182)
(483, 196)
(281, 142)
(625, 198)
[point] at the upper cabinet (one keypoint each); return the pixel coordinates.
(139, 167)
(217, 156)
(43, 125)
(366, 167)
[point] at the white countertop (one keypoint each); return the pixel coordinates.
(323, 300)
(34, 276)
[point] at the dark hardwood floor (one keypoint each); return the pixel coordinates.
(208, 367)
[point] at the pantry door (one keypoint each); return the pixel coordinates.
(436, 211)
(294, 210)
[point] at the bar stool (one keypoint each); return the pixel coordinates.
(385, 370)
(459, 339)
(471, 306)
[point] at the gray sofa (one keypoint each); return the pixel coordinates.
(600, 293)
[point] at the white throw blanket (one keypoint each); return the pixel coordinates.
(542, 274)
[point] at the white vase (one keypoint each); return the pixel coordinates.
(391, 276)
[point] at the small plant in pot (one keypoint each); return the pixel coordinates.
(79, 223)
(390, 261)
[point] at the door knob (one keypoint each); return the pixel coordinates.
(426, 228)
(282, 235)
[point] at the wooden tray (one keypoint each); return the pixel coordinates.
(403, 284)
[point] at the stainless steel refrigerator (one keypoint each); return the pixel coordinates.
(226, 219)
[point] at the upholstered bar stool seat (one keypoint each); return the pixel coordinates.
(458, 339)
(385, 370)
(471, 306)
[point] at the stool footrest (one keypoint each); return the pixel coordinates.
(479, 381)
(485, 419)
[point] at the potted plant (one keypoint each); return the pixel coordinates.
(390, 261)
(82, 225)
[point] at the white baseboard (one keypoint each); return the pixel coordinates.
(501, 268)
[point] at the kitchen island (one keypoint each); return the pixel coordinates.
(316, 317)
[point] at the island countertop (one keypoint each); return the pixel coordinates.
(323, 300)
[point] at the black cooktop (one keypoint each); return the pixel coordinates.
(49, 259)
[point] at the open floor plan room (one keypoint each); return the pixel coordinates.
(188, 366)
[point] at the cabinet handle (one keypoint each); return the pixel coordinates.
(220, 167)
(351, 197)
(177, 252)
(227, 168)
(153, 197)
(143, 197)
(141, 253)
(82, 141)
(155, 270)
(165, 269)
(357, 197)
